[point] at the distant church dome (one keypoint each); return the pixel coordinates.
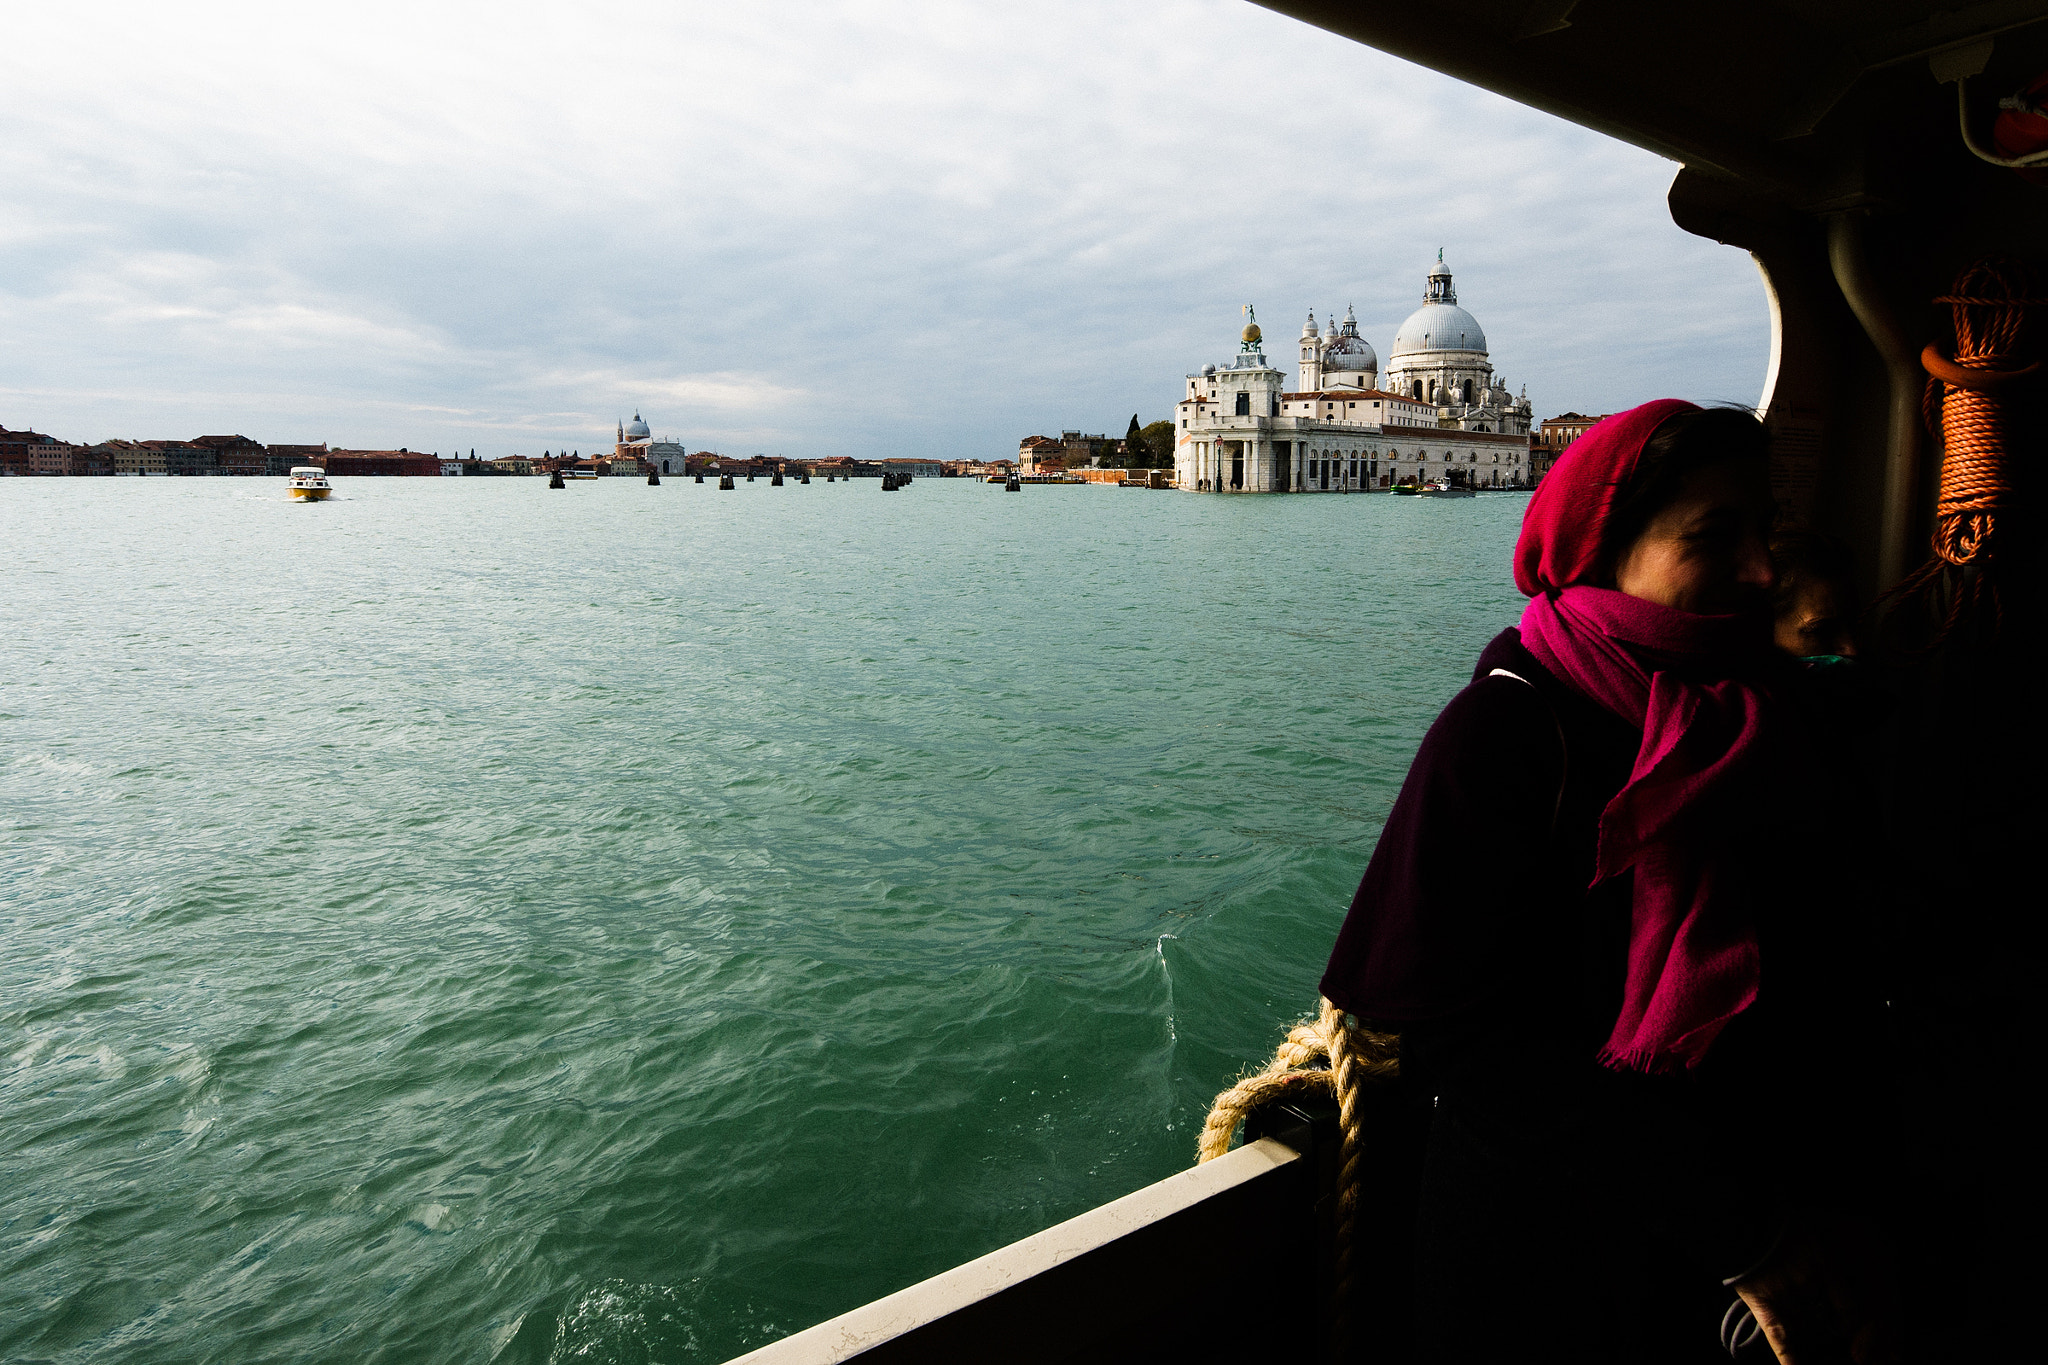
(1348, 351)
(1439, 325)
(636, 430)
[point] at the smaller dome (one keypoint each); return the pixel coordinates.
(636, 430)
(1251, 332)
(1309, 328)
(1355, 355)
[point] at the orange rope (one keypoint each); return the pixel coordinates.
(1966, 406)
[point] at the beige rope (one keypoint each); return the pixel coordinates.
(1327, 1055)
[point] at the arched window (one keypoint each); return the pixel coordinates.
(1468, 393)
(1418, 388)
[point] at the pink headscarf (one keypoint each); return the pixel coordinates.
(1708, 738)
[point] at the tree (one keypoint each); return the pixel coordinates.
(1158, 438)
(1136, 454)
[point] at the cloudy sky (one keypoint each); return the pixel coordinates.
(835, 228)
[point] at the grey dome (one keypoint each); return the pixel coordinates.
(636, 430)
(1439, 327)
(1352, 354)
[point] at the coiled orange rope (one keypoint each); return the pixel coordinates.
(1967, 404)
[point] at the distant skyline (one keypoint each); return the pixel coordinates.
(842, 229)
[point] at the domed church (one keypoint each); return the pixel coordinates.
(1440, 358)
(1439, 413)
(663, 456)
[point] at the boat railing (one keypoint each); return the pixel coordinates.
(1231, 1259)
(1123, 1279)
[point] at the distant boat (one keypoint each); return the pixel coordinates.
(1406, 490)
(579, 473)
(1442, 488)
(309, 484)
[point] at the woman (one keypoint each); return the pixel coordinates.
(1634, 1027)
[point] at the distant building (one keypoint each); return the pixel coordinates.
(235, 454)
(285, 458)
(1442, 412)
(1555, 436)
(133, 459)
(184, 459)
(50, 458)
(658, 454)
(14, 451)
(360, 463)
(1034, 449)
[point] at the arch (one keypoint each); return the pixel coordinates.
(1468, 393)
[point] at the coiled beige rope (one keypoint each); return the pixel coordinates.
(1327, 1055)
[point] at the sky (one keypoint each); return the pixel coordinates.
(912, 228)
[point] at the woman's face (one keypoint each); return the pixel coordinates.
(1708, 550)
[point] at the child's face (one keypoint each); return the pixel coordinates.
(1816, 621)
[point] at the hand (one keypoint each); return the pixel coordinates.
(1829, 1287)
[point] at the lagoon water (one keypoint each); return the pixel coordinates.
(462, 921)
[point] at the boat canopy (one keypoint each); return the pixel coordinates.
(309, 471)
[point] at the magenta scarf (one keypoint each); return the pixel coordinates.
(1698, 778)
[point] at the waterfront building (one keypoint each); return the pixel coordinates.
(133, 459)
(283, 459)
(50, 458)
(660, 454)
(14, 447)
(1441, 413)
(1072, 450)
(184, 458)
(235, 454)
(358, 463)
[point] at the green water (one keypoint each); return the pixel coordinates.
(462, 921)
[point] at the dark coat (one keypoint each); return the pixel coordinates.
(1568, 1211)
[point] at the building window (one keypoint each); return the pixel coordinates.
(1244, 404)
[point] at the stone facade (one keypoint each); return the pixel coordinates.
(1442, 413)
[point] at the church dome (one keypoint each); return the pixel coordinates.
(1348, 352)
(1439, 327)
(636, 430)
(1352, 354)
